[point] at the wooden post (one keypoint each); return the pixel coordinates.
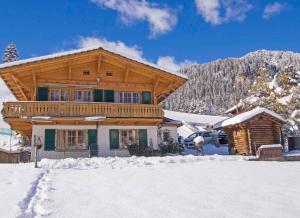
(69, 71)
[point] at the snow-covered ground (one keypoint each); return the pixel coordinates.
(17, 185)
(179, 186)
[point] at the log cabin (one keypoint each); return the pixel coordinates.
(249, 130)
(96, 97)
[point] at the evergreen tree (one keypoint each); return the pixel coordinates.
(10, 53)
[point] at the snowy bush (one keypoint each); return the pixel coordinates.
(170, 147)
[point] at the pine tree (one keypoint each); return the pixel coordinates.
(10, 53)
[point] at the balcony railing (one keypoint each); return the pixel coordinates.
(76, 109)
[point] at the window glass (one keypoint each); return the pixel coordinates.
(193, 136)
(64, 95)
(135, 98)
(71, 139)
(128, 97)
(78, 96)
(54, 95)
(87, 96)
(83, 96)
(128, 137)
(166, 135)
(206, 134)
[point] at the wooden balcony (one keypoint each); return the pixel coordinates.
(31, 109)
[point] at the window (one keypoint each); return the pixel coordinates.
(128, 137)
(86, 72)
(206, 134)
(71, 139)
(109, 73)
(194, 135)
(59, 95)
(55, 95)
(166, 135)
(64, 95)
(128, 97)
(135, 98)
(83, 96)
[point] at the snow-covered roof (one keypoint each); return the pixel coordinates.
(249, 100)
(246, 116)
(186, 129)
(193, 118)
(77, 51)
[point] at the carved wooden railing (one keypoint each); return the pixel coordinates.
(76, 109)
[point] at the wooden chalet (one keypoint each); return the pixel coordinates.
(89, 96)
(249, 130)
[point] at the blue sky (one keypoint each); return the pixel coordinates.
(169, 32)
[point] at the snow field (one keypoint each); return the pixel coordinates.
(174, 186)
(15, 187)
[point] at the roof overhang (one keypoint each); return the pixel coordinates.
(12, 72)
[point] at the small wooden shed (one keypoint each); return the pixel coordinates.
(249, 130)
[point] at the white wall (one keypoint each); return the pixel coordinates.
(103, 140)
(39, 130)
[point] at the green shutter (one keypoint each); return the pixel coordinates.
(114, 138)
(146, 98)
(92, 136)
(49, 140)
(42, 93)
(109, 96)
(98, 95)
(143, 139)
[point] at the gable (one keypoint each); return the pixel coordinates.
(68, 69)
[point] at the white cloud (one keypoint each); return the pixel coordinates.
(222, 11)
(134, 51)
(160, 18)
(170, 63)
(272, 9)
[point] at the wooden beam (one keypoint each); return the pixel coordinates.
(69, 71)
(18, 82)
(113, 85)
(99, 64)
(34, 83)
(126, 74)
(155, 84)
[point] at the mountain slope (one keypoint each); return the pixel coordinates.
(214, 87)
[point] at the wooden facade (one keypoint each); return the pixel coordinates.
(247, 136)
(90, 72)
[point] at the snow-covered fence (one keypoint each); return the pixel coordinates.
(16, 156)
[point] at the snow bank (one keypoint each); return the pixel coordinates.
(209, 149)
(120, 163)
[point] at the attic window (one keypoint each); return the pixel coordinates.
(86, 72)
(108, 73)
